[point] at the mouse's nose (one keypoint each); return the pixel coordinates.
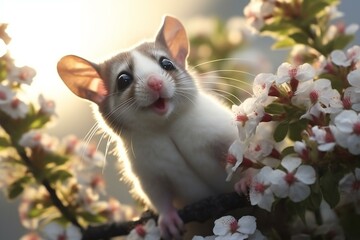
(155, 83)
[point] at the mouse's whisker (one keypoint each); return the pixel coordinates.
(228, 85)
(228, 78)
(236, 60)
(220, 92)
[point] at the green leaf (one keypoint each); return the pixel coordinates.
(340, 42)
(92, 218)
(275, 108)
(287, 151)
(56, 159)
(279, 27)
(59, 175)
(314, 201)
(296, 128)
(4, 143)
(281, 131)
(300, 38)
(297, 208)
(284, 43)
(36, 212)
(17, 187)
(329, 183)
(311, 8)
(39, 121)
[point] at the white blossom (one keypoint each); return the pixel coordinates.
(23, 75)
(6, 95)
(262, 84)
(16, 108)
(302, 73)
(228, 228)
(55, 231)
(46, 106)
(248, 115)
(260, 191)
(343, 59)
(346, 130)
(149, 231)
(256, 12)
(350, 185)
(324, 139)
(294, 181)
(318, 94)
(33, 139)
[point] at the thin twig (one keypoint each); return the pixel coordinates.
(52, 192)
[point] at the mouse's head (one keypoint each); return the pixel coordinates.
(149, 82)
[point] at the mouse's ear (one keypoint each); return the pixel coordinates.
(173, 35)
(82, 78)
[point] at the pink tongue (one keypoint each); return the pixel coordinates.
(160, 104)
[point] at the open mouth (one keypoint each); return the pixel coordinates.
(160, 106)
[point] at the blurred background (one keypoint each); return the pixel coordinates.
(43, 31)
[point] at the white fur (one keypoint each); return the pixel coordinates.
(176, 164)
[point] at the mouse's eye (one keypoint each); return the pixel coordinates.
(124, 79)
(166, 64)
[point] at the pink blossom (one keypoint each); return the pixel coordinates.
(324, 138)
(262, 84)
(294, 181)
(346, 130)
(149, 231)
(235, 157)
(33, 139)
(248, 115)
(31, 236)
(301, 73)
(257, 11)
(6, 95)
(3, 48)
(351, 98)
(343, 59)
(354, 78)
(228, 228)
(55, 231)
(23, 75)
(350, 185)
(301, 149)
(260, 191)
(318, 94)
(46, 106)
(16, 108)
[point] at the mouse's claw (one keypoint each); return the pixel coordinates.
(170, 224)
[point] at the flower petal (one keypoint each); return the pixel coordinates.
(267, 200)
(305, 72)
(298, 191)
(306, 174)
(222, 225)
(290, 163)
(247, 225)
(354, 78)
(339, 58)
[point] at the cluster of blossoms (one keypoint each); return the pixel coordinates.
(297, 124)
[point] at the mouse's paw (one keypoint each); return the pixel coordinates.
(242, 186)
(170, 224)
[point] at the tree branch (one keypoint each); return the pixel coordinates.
(52, 192)
(201, 211)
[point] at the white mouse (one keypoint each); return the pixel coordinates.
(176, 135)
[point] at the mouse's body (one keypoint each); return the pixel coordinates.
(176, 136)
